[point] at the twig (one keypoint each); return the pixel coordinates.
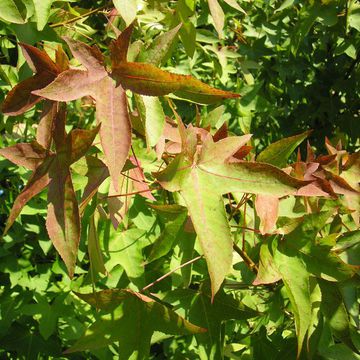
(132, 193)
(69, 21)
(171, 272)
(250, 264)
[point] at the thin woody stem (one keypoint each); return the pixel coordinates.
(250, 264)
(132, 193)
(171, 272)
(74, 19)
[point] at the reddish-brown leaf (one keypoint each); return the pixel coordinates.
(267, 208)
(38, 181)
(119, 47)
(115, 131)
(63, 219)
(46, 124)
(147, 79)
(97, 172)
(38, 60)
(20, 98)
(28, 155)
(78, 143)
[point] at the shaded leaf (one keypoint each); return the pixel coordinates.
(132, 314)
(209, 313)
(175, 216)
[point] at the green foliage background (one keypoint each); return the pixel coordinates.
(296, 65)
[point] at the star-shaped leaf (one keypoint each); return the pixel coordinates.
(111, 104)
(52, 170)
(203, 173)
(129, 318)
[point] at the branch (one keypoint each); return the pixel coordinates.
(250, 264)
(171, 272)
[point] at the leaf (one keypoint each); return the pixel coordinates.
(37, 182)
(111, 103)
(268, 273)
(146, 79)
(152, 115)
(28, 155)
(159, 47)
(175, 216)
(202, 178)
(218, 16)
(46, 125)
(21, 98)
(95, 255)
(10, 12)
(334, 309)
(96, 172)
(210, 313)
(115, 132)
(296, 279)
(63, 218)
(235, 5)
(279, 152)
(267, 208)
(42, 11)
(127, 9)
(132, 321)
(126, 250)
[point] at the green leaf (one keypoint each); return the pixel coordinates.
(9, 11)
(268, 272)
(42, 11)
(279, 152)
(153, 117)
(127, 9)
(296, 279)
(175, 216)
(210, 313)
(132, 321)
(160, 47)
(334, 309)
(95, 254)
(126, 249)
(218, 16)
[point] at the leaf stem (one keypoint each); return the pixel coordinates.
(250, 264)
(171, 272)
